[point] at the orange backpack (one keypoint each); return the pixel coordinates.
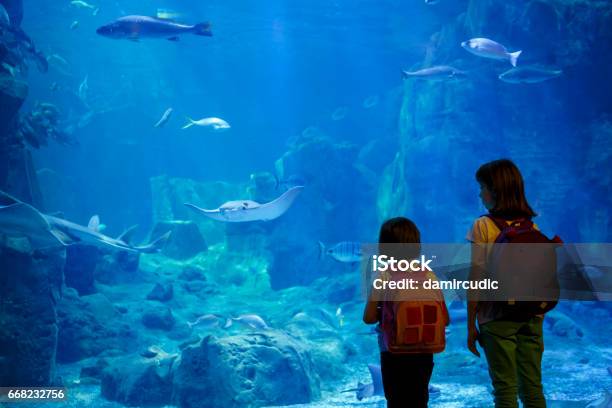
(415, 326)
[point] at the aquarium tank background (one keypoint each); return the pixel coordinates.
(334, 116)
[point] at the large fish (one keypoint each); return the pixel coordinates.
(529, 75)
(216, 124)
(136, 27)
(436, 73)
(247, 210)
(46, 231)
(486, 48)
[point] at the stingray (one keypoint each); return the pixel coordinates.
(247, 210)
(370, 389)
(47, 231)
(375, 388)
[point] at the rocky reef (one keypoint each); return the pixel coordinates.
(449, 128)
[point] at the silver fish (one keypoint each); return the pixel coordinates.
(136, 27)
(529, 75)
(215, 124)
(486, 48)
(436, 73)
(165, 117)
(346, 251)
(207, 321)
(251, 320)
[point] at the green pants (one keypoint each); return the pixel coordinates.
(514, 355)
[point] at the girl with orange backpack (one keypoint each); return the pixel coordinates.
(410, 330)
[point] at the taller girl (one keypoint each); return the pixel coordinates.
(513, 346)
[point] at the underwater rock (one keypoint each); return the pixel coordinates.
(192, 272)
(84, 330)
(120, 267)
(12, 94)
(245, 370)
(161, 291)
(137, 381)
(81, 261)
(185, 241)
(563, 326)
(158, 317)
(336, 194)
(29, 290)
(94, 371)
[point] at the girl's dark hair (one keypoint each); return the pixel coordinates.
(504, 180)
(399, 230)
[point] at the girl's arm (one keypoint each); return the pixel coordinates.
(370, 313)
(478, 259)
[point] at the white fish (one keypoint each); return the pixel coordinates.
(251, 320)
(83, 89)
(165, 117)
(529, 75)
(436, 73)
(82, 4)
(74, 24)
(431, 2)
(207, 320)
(215, 124)
(486, 48)
(345, 252)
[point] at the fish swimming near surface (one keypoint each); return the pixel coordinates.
(486, 48)
(82, 4)
(135, 28)
(247, 210)
(436, 73)
(529, 75)
(165, 118)
(215, 124)
(46, 231)
(252, 321)
(345, 252)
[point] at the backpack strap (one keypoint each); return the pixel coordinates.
(500, 223)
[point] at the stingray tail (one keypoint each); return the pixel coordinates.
(155, 246)
(203, 29)
(189, 124)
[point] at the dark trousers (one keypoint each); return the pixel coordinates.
(406, 379)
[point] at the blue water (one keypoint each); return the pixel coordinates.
(317, 84)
